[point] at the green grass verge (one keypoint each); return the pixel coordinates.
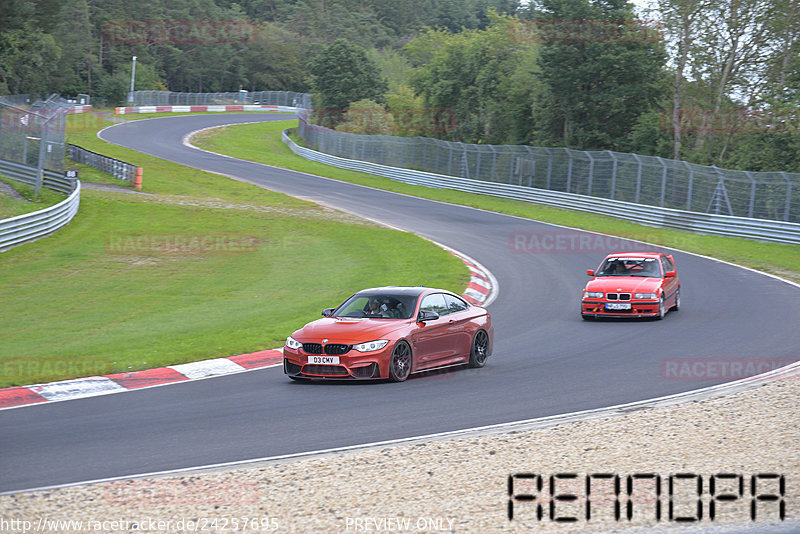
(11, 207)
(141, 281)
(261, 142)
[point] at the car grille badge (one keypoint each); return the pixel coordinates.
(324, 340)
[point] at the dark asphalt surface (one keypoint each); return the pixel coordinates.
(546, 360)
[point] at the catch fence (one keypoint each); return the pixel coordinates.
(634, 178)
(269, 98)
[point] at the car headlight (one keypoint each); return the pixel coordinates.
(648, 296)
(369, 346)
(292, 343)
(593, 294)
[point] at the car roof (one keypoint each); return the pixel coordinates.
(413, 291)
(640, 254)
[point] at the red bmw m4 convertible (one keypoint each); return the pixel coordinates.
(390, 333)
(632, 284)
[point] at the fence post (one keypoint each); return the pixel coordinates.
(569, 169)
(591, 172)
(40, 164)
(663, 180)
(137, 180)
(494, 162)
(788, 195)
(638, 177)
(613, 174)
(752, 194)
(691, 186)
(549, 166)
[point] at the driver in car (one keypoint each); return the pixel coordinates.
(376, 308)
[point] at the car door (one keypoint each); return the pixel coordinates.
(668, 285)
(461, 328)
(433, 340)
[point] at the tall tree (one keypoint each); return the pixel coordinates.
(341, 74)
(600, 81)
(483, 79)
(683, 21)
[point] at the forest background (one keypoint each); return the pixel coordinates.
(707, 81)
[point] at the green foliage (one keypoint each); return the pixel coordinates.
(595, 88)
(274, 61)
(485, 78)
(411, 117)
(367, 117)
(28, 61)
(392, 64)
(342, 74)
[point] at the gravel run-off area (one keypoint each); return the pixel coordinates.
(462, 485)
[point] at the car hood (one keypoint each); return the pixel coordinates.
(628, 284)
(347, 330)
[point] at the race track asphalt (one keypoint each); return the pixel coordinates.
(546, 359)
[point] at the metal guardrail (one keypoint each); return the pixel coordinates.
(30, 226)
(702, 223)
(116, 168)
(27, 174)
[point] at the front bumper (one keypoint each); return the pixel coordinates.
(352, 366)
(638, 308)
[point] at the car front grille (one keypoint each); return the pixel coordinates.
(618, 296)
(312, 348)
(332, 349)
(335, 349)
(329, 370)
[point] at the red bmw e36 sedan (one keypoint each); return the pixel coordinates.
(632, 284)
(390, 333)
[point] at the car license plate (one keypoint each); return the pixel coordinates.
(618, 305)
(323, 360)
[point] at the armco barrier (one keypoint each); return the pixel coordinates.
(702, 223)
(26, 174)
(29, 226)
(116, 168)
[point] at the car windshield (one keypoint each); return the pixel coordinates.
(377, 306)
(646, 267)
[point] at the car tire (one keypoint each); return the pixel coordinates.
(479, 350)
(400, 363)
(661, 310)
(677, 305)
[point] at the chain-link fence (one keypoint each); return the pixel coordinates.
(268, 98)
(33, 134)
(645, 180)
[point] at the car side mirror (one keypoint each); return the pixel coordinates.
(669, 274)
(590, 272)
(425, 316)
(327, 312)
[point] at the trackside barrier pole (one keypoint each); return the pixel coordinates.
(137, 180)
